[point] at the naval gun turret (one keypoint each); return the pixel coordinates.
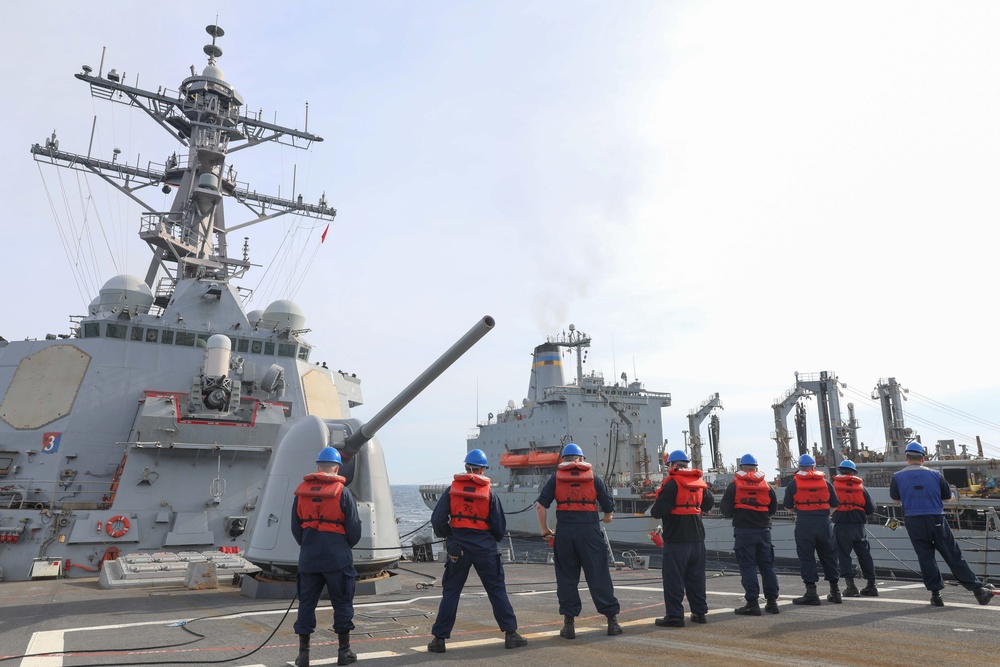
(271, 545)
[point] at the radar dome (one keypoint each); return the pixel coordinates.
(254, 316)
(121, 291)
(214, 71)
(285, 313)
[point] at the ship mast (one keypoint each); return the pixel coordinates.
(574, 340)
(205, 117)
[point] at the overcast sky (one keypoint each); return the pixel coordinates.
(720, 193)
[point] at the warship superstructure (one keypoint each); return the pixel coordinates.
(170, 425)
(618, 425)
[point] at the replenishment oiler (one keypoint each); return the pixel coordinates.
(169, 426)
(619, 427)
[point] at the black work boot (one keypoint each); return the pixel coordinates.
(772, 606)
(568, 629)
(613, 627)
(751, 608)
(936, 599)
(303, 659)
(834, 595)
(513, 640)
(851, 590)
(984, 594)
(436, 645)
(810, 598)
(871, 589)
(345, 655)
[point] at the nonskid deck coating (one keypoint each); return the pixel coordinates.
(899, 627)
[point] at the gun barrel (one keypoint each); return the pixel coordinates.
(357, 439)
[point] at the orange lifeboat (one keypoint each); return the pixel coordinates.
(512, 460)
(543, 459)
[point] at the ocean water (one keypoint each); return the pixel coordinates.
(412, 516)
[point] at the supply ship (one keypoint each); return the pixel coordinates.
(619, 428)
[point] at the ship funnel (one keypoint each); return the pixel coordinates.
(546, 371)
(357, 439)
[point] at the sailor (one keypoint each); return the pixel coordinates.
(680, 502)
(812, 498)
(325, 524)
(922, 492)
(580, 542)
(849, 529)
(750, 502)
(470, 516)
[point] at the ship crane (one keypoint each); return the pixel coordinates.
(836, 437)
(890, 397)
(695, 418)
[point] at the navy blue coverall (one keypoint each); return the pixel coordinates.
(479, 550)
(752, 544)
(922, 492)
(325, 559)
(849, 531)
(814, 536)
(579, 543)
(683, 552)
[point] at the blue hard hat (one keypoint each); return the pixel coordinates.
(328, 455)
(572, 449)
(748, 460)
(849, 464)
(678, 455)
(476, 457)
(916, 448)
(806, 461)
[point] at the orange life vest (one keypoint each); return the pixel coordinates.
(811, 492)
(752, 491)
(690, 490)
(470, 501)
(319, 502)
(575, 490)
(850, 492)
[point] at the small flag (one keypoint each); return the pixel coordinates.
(323, 237)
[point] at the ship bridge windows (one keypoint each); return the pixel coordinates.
(269, 348)
(115, 330)
(286, 350)
(242, 345)
(152, 335)
(167, 338)
(137, 333)
(185, 339)
(256, 346)
(304, 353)
(91, 330)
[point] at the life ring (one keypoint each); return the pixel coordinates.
(117, 526)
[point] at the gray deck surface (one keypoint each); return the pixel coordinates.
(897, 628)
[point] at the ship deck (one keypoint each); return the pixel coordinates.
(135, 626)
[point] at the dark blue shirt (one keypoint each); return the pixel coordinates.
(470, 538)
(604, 501)
(921, 490)
(326, 552)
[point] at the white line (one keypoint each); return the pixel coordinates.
(361, 656)
(50, 641)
